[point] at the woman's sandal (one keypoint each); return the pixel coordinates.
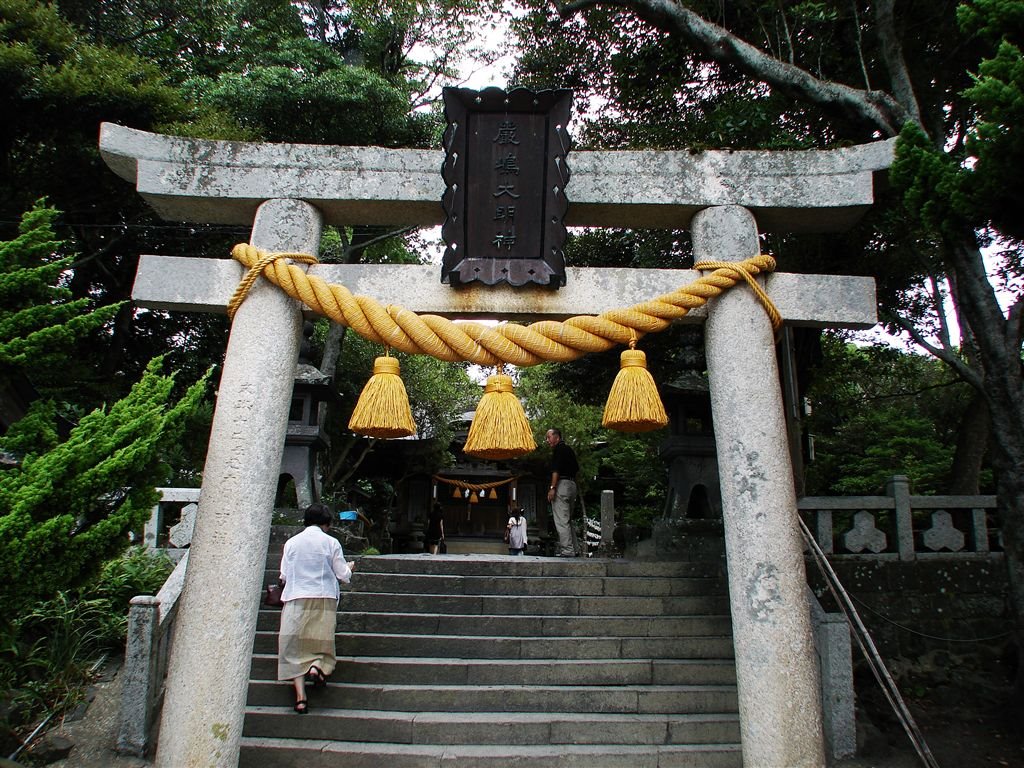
(301, 706)
(316, 677)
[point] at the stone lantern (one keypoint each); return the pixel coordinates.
(689, 451)
(306, 435)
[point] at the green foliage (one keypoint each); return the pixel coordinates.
(47, 652)
(892, 443)
(35, 432)
(626, 463)
(39, 322)
(975, 183)
(932, 182)
(879, 412)
(137, 572)
(642, 516)
(47, 70)
(68, 509)
(330, 104)
(638, 86)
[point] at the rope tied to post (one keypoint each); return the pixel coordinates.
(256, 269)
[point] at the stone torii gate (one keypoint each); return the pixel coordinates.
(287, 192)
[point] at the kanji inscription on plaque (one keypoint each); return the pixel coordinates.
(505, 173)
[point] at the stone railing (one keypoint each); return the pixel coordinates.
(150, 621)
(897, 526)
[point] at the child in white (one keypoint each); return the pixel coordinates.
(516, 533)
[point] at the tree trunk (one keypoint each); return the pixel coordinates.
(332, 349)
(971, 447)
(1002, 385)
(1010, 489)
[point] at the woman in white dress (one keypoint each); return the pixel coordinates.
(312, 564)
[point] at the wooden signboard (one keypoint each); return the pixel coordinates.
(505, 173)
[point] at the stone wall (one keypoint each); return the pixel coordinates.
(952, 610)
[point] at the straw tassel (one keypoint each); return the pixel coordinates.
(633, 403)
(383, 407)
(499, 429)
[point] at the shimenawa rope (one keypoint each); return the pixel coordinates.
(546, 341)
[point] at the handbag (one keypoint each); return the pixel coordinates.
(442, 547)
(272, 597)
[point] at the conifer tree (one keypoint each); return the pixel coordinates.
(39, 321)
(69, 505)
(66, 509)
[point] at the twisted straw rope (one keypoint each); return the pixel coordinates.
(463, 485)
(402, 329)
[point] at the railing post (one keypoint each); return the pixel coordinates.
(823, 530)
(899, 488)
(140, 675)
(607, 517)
(979, 530)
(835, 655)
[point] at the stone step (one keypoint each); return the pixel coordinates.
(603, 699)
(404, 670)
(316, 753)
(491, 647)
(508, 728)
(505, 565)
(488, 647)
(547, 586)
(524, 585)
(488, 660)
(524, 605)
(519, 626)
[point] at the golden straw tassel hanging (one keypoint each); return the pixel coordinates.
(383, 407)
(499, 429)
(633, 403)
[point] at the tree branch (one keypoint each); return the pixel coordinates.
(938, 306)
(892, 55)
(1015, 328)
(875, 109)
(965, 372)
(860, 46)
(386, 236)
(367, 447)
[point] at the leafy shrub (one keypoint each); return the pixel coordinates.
(47, 652)
(137, 572)
(642, 517)
(67, 510)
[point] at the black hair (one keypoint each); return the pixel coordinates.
(317, 514)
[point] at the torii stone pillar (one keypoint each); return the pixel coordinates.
(776, 670)
(208, 678)
(226, 182)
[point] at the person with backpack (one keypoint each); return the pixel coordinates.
(515, 532)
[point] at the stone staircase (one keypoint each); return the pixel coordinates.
(481, 660)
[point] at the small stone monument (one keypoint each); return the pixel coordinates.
(180, 534)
